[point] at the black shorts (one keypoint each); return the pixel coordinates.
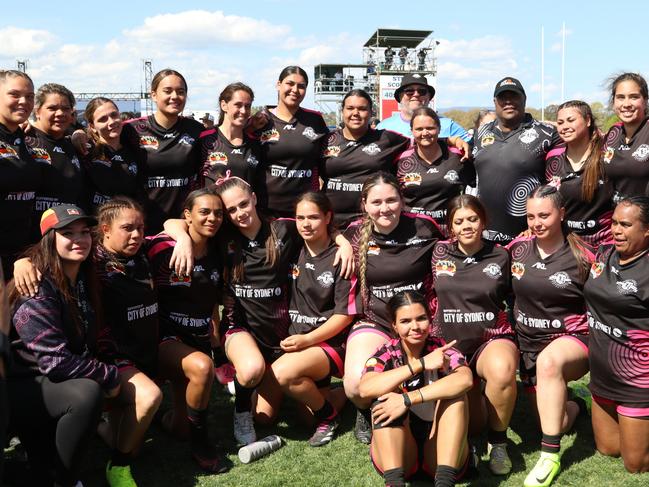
(527, 366)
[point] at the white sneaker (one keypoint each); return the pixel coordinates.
(244, 428)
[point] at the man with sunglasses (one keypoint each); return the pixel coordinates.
(414, 92)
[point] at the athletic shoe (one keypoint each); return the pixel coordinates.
(244, 428)
(499, 462)
(225, 374)
(474, 461)
(119, 476)
(545, 470)
(207, 457)
(325, 431)
(362, 429)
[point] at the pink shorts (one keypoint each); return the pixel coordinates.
(640, 411)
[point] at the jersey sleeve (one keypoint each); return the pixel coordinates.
(456, 130)
(378, 362)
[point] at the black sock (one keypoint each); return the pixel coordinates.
(120, 459)
(581, 404)
(327, 411)
(445, 476)
(494, 437)
(242, 397)
(394, 477)
(551, 443)
(219, 357)
(197, 423)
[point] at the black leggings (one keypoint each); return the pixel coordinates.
(54, 421)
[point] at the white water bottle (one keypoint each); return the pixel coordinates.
(258, 449)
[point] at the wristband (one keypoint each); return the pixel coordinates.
(412, 372)
(421, 395)
(423, 364)
(406, 400)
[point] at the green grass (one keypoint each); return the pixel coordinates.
(166, 462)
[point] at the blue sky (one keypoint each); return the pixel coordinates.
(93, 46)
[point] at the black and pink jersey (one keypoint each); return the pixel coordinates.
(63, 177)
(427, 188)
(187, 303)
(627, 163)
(219, 155)
(398, 261)
(510, 165)
(258, 302)
(618, 315)
(130, 309)
(318, 291)
(112, 172)
(549, 294)
(291, 157)
(171, 161)
(21, 176)
(346, 165)
(471, 292)
(591, 220)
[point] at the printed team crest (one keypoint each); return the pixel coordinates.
(271, 135)
(326, 279)
(215, 276)
(641, 154)
(451, 176)
(518, 269)
(487, 139)
(411, 179)
(294, 271)
(528, 136)
(217, 158)
(149, 142)
(113, 267)
(555, 181)
(371, 149)
(445, 268)
(6, 151)
(560, 279)
(187, 139)
(371, 362)
(332, 151)
(41, 155)
(596, 269)
(176, 280)
(132, 168)
(493, 271)
(372, 248)
(253, 161)
(630, 286)
(75, 162)
(309, 133)
(608, 155)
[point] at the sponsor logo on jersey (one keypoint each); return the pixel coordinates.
(236, 151)
(113, 267)
(641, 154)
(117, 158)
(493, 270)
(294, 271)
(178, 280)
(309, 133)
(630, 286)
(326, 279)
(75, 162)
(58, 149)
(253, 244)
(528, 136)
(214, 276)
(372, 248)
(445, 268)
(187, 139)
(217, 158)
(560, 279)
(309, 265)
(451, 176)
(411, 179)
(169, 135)
(271, 135)
(487, 139)
(556, 324)
(41, 155)
(415, 241)
(253, 161)
(518, 269)
(432, 170)
(371, 149)
(596, 269)
(289, 126)
(469, 260)
(132, 168)
(608, 155)
(149, 142)
(6, 151)
(332, 151)
(539, 265)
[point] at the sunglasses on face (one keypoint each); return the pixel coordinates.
(412, 91)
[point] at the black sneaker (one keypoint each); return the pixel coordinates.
(324, 433)
(362, 429)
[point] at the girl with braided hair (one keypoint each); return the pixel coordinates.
(393, 252)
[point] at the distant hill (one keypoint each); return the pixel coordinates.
(462, 109)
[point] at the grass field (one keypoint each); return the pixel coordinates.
(166, 462)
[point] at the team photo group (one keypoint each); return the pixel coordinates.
(418, 274)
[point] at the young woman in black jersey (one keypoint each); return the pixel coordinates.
(111, 167)
(355, 152)
(188, 321)
(292, 140)
(627, 142)
(227, 147)
(63, 177)
(548, 274)
(617, 295)
(418, 386)
(471, 282)
(321, 308)
(393, 253)
(432, 173)
(20, 174)
(57, 383)
(577, 170)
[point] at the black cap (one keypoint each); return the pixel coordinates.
(61, 216)
(509, 84)
(413, 79)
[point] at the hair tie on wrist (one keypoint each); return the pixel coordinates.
(406, 400)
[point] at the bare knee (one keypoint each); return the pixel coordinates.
(250, 373)
(547, 367)
(636, 462)
(502, 375)
(351, 384)
(608, 449)
(201, 370)
(284, 373)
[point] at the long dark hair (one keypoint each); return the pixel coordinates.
(322, 202)
(160, 75)
(642, 202)
(637, 78)
(465, 201)
(227, 94)
(405, 298)
(99, 147)
(289, 70)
